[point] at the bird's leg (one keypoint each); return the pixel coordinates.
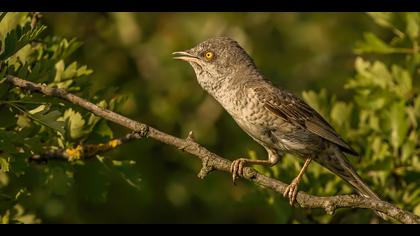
(237, 166)
(291, 190)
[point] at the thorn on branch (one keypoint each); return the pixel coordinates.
(205, 169)
(190, 136)
(189, 139)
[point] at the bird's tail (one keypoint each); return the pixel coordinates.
(335, 161)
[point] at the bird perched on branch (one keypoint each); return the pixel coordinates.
(273, 117)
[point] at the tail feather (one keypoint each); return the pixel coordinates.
(335, 161)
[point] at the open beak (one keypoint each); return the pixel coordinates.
(185, 56)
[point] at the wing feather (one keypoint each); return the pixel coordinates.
(299, 113)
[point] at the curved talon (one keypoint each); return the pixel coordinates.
(241, 168)
(291, 192)
(236, 168)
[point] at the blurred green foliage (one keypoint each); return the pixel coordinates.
(362, 70)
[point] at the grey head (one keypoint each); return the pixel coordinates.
(216, 60)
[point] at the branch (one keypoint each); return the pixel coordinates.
(211, 161)
(82, 151)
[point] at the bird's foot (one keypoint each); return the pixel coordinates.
(291, 191)
(237, 169)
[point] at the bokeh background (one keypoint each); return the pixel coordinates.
(130, 54)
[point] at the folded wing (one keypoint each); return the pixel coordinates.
(297, 112)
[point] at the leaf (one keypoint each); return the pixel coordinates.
(18, 38)
(4, 164)
(341, 112)
(380, 150)
(404, 82)
(73, 71)
(6, 144)
(382, 18)
(407, 151)
(8, 117)
(4, 181)
(388, 20)
(372, 44)
(127, 171)
(2, 15)
(417, 106)
(4, 88)
(319, 102)
(18, 164)
(74, 124)
(417, 210)
(10, 21)
(49, 119)
(399, 124)
(103, 129)
(413, 21)
(59, 68)
(376, 74)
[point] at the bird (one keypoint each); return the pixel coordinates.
(275, 118)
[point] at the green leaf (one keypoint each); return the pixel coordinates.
(74, 124)
(372, 44)
(10, 21)
(382, 18)
(4, 164)
(407, 151)
(4, 88)
(399, 124)
(6, 143)
(127, 171)
(103, 129)
(73, 71)
(42, 115)
(417, 106)
(370, 75)
(18, 163)
(388, 20)
(341, 112)
(417, 210)
(404, 82)
(318, 101)
(8, 117)
(50, 119)
(413, 21)
(18, 38)
(2, 15)
(59, 68)
(380, 150)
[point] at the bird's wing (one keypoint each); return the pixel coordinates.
(297, 112)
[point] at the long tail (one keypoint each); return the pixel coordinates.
(335, 161)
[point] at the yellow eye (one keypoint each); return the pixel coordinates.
(209, 55)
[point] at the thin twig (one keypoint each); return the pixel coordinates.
(82, 151)
(212, 161)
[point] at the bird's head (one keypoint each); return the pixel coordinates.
(215, 60)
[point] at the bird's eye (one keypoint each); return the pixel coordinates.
(209, 55)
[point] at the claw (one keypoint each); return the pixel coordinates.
(241, 168)
(291, 192)
(234, 172)
(236, 168)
